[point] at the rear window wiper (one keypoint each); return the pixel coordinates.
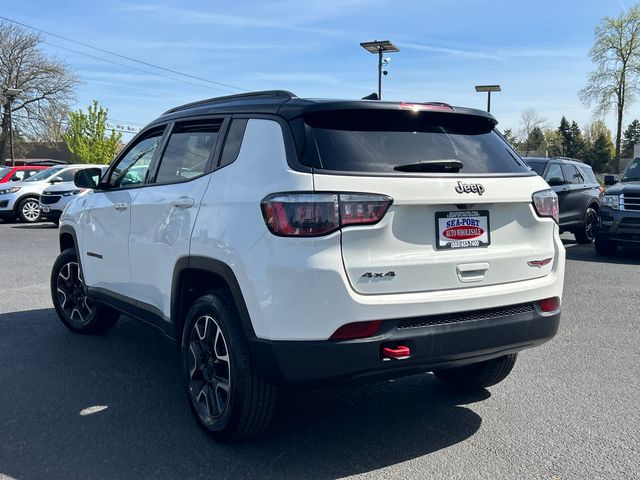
(446, 166)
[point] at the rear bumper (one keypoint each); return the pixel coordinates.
(432, 347)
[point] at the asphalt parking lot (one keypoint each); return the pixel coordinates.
(569, 410)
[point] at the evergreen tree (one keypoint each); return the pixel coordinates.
(630, 138)
(535, 140)
(576, 145)
(564, 133)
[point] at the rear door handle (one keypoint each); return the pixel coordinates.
(120, 206)
(183, 202)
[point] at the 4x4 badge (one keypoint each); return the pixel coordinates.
(470, 188)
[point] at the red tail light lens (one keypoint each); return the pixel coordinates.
(354, 330)
(549, 304)
(316, 214)
(546, 204)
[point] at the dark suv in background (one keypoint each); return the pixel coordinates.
(620, 216)
(578, 190)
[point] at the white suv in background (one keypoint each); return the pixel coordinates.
(287, 240)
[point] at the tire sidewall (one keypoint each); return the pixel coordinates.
(213, 306)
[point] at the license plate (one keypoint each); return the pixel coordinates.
(44, 208)
(462, 229)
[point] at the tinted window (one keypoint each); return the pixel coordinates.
(537, 167)
(44, 174)
(233, 141)
(131, 169)
(379, 140)
(4, 171)
(554, 172)
(588, 174)
(188, 152)
(572, 174)
(19, 175)
(67, 175)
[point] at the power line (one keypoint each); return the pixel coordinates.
(133, 131)
(130, 67)
(124, 56)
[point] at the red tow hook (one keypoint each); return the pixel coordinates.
(398, 353)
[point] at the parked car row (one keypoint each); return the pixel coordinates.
(34, 193)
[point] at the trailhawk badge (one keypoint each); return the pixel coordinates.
(469, 188)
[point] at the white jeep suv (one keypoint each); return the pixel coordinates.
(281, 239)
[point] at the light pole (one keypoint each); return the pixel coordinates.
(10, 94)
(379, 47)
(488, 89)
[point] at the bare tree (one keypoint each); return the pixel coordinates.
(530, 119)
(47, 84)
(614, 83)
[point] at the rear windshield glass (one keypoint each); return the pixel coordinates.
(537, 167)
(379, 140)
(4, 171)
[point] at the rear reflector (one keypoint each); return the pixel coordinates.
(304, 214)
(354, 330)
(549, 304)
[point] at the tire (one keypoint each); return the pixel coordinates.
(587, 233)
(478, 375)
(217, 364)
(74, 310)
(604, 246)
(28, 210)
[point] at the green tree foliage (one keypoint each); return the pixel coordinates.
(553, 141)
(616, 54)
(572, 142)
(535, 141)
(564, 133)
(600, 150)
(87, 137)
(630, 138)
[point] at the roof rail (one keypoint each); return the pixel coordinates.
(212, 101)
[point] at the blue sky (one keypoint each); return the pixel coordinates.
(537, 50)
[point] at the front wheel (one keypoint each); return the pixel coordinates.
(29, 210)
(70, 300)
(587, 232)
(228, 396)
(478, 375)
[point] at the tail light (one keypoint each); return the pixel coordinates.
(549, 304)
(546, 204)
(317, 214)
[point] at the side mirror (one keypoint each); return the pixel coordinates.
(609, 180)
(555, 182)
(56, 180)
(87, 178)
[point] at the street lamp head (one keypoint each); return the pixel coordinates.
(487, 88)
(378, 46)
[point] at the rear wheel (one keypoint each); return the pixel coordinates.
(228, 396)
(604, 246)
(29, 210)
(478, 375)
(70, 300)
(587, 232)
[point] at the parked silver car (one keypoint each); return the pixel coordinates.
(55, 197)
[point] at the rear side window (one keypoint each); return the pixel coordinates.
(379, 140)
(233, 141)
(572, 174)
(188, 152)
(554, 172)
(588, 174)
